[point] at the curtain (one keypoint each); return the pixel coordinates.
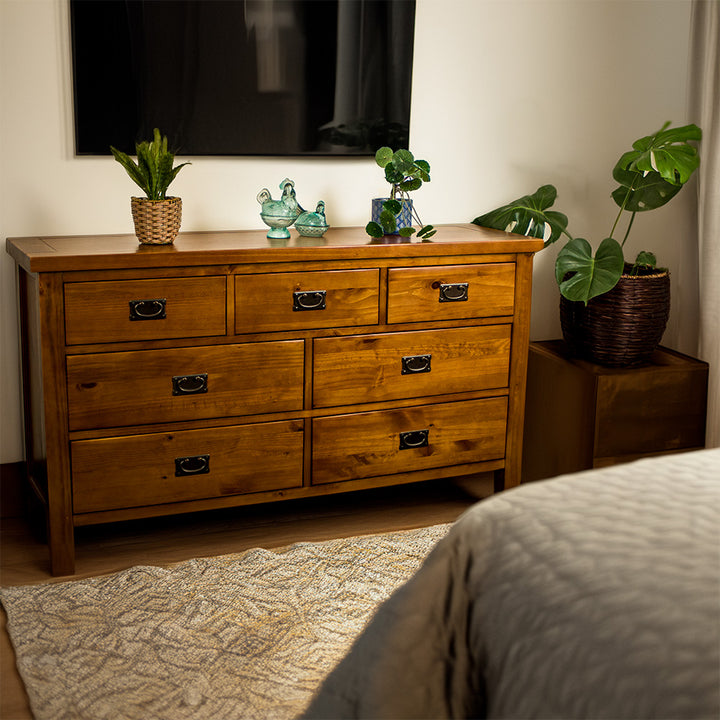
(705, 111)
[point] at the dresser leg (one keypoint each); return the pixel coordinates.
(499, 477)
(61, 543)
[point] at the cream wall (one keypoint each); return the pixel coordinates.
(507, 95)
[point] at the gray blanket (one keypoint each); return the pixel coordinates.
(593, 595)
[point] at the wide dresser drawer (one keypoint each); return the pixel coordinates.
(153, 386)
(126, 310)
(450, 292)
(391, 366)
(361, 445)
(301, 300)
(158, 468)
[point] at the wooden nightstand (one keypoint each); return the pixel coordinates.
(580, 415)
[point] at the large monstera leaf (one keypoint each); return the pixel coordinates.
(653, 172)
(529, 216)
(582, 276)
(639, 192)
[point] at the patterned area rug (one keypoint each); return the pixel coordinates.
(249, 635)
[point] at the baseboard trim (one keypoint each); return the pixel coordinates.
(12, 492)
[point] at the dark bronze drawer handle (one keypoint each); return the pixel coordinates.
(414, 439)
(414, 364)
(453, 292)
(147, 309)
(190, 384)
(309, 300)
(194, 465)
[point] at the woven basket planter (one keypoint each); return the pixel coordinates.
(157, 222)
(623, 327)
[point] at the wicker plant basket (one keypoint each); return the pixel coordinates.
(157, 222)
(623, 327)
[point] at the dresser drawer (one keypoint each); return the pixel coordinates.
(450, 292)
(153, 386)
(125, 310)
(375, 368)
(160, 468)
(346, 447)
(293, 301)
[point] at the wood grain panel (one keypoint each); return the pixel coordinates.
(362, 445)
(369, 368)
(99, 312)
(140, 470)
(246, 379)
(265, 302)
(414, 293)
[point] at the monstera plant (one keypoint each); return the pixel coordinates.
(648, 177)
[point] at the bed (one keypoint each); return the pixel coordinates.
(591, 595)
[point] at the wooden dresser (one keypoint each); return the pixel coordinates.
(224, 370)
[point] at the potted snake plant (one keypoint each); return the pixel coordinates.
(157, 216)
(612, 311)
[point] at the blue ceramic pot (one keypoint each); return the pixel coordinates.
(404, 217)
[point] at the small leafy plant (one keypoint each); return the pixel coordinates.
(154, 169)
(649, 176)
(405, 174)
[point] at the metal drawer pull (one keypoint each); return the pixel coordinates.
(194, 465)
(413, 364)
(190, 384)
(309, 300)
(413, 439)
(453, 292)
(147, 309)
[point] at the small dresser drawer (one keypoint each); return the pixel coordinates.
(450, 292)
(296, 301)
(153, 386)
(126, 310)
(160, 468)
(375, 368)
(347, 447)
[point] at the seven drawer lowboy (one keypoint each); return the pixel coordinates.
(223, 370)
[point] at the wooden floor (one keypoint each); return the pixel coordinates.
(162, 541)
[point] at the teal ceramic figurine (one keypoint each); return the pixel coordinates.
(313, 224)
(278, 215)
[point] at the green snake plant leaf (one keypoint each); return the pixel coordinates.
(667, 152)
(135, 173)
(529, 215)
(582, 276)
(154, 170)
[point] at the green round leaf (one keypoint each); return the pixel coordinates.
(406, 231)
(410, 185)
(374, 230)
(383, 156)
(392, 206)
(388, 222)
(392, 175)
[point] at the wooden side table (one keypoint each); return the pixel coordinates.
(580, 415)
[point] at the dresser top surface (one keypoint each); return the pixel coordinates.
(100, 252)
